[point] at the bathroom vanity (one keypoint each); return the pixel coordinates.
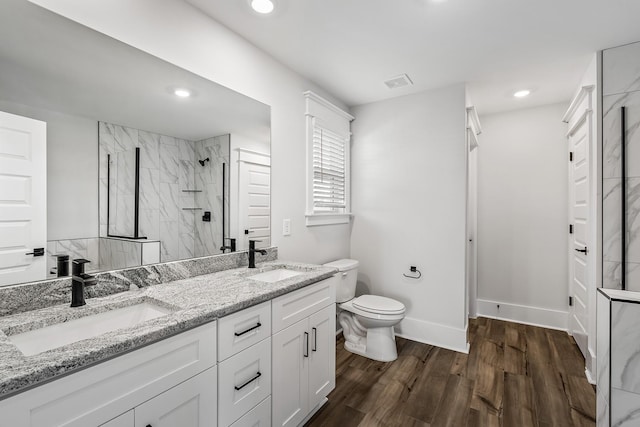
(239, 347)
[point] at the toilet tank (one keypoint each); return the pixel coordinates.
(346, 278)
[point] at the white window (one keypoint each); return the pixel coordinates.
(328, 138)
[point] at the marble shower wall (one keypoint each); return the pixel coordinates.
(208, 178)
(175, 189)
(621, 87)
(76, 248)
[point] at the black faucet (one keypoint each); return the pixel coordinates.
(79, 280)
(252, 253)
(231, 247)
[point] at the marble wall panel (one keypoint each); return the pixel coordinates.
(625, 346)
(621, 69)
(625, 408)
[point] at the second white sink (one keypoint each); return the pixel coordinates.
(276, 275)
(60, 334)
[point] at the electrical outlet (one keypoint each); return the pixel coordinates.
(286, 227)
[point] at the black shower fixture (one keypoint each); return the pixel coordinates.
(202, 162)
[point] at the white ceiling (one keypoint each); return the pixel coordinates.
(50, 62)
(349, 47)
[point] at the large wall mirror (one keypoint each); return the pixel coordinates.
(145, 162)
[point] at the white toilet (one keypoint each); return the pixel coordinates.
(368, 320)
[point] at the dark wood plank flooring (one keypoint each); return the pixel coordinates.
(514, 376)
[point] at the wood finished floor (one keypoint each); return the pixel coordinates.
(514, 376)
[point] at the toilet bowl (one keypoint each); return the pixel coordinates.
(368, 320)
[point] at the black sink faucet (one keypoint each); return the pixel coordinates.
(252, 253)
(79, 280)
(231, 247)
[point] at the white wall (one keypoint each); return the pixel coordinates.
(72, 172)
(180, 34)
(522, 216)
(408, 196)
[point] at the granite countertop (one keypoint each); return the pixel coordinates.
(192, 302)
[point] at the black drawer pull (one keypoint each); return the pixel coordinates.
(306, 345)
(258, 375)
(315, 339)
(248, 330)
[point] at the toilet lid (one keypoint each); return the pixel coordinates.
(378, 304)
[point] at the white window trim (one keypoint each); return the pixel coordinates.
(316, 106)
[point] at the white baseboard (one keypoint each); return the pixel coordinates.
(536, 316)
(434, 334)
(338, 332)
(590, 367)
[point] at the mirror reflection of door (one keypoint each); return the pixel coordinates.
(254, 207)
(23, 208)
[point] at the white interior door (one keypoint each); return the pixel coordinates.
(254, 201)
(579, 220)
(23, 199)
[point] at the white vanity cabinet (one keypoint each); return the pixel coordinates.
(244, 362)
(161, 379)
(303, 352)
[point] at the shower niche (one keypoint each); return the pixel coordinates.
(164, 188)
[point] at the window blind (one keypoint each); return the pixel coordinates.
(329, 183)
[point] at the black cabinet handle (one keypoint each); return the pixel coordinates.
(584, 251)
(315, 339)
(306, 344)
(36, 252)
(238, 334)
(258, 375)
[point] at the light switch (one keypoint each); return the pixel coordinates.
(286, 227)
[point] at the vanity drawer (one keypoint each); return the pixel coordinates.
(260, 416)
(295, 306)
(244, 380)
(243, 329)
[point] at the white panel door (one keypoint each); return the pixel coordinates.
(322, 354)
(290, 375)
(578, 247)
(192, 403)
(254, 204)
(23, 198)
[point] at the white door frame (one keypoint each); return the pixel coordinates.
(473, 130)
(580, 113)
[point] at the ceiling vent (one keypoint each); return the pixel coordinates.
(398, 81)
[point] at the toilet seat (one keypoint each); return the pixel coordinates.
(350, 307)
(378, 305)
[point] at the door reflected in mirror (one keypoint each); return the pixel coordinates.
(134, 174)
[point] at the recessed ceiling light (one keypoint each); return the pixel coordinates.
(522, 93)
(182, 93)
(262, 6)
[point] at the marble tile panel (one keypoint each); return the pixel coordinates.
(149, 188)
(187, 244)
(107, 136)
(611, 229)
(625, 346)
(169, 164)
(150, 223)
(168, 140)
(633, 218)
(126, 138)
(625, 408)
(170, 241)
(603, 344)
(170, 202)
(149, 150)
(602, 411)
(621, 69)
(187, 150)
(611, 123)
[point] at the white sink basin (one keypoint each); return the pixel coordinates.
(276, 275)
(58, 335)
